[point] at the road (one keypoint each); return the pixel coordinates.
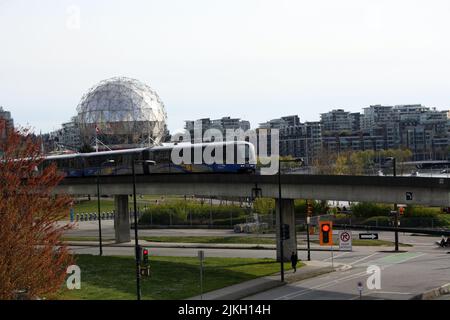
(402, 276)
(90, 229)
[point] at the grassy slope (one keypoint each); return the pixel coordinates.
(172, 277)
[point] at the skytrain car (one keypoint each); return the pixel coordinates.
(235, 157)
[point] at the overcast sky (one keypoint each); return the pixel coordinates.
(256, 60)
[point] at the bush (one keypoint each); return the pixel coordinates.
(421, 212)
(368, 209)
(180, 212)
(264, 205)
(380, 221)
(318, 208)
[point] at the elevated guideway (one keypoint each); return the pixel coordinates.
(402, 190)
(405, 190)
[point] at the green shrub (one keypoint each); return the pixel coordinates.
(368, 209)
(264, 205)
(421, 212)
(380, 221)
(300, 208)
(180, 212)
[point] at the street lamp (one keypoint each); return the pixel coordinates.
(98, 205)
(280, 212)
(394, 173)
(136, 239)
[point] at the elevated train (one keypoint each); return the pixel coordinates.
(242, 160)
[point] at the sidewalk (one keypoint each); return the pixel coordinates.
(249, 288)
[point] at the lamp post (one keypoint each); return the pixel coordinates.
(280, 207)
(98, 205)
(136, 239)
(394, 173)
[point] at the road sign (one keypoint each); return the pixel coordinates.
(368, 236)
(345, 241)
(409, 196)
(360, 286)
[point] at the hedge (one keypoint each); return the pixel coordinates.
(180, 212)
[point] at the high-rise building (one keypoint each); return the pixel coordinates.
(338, 121)
(6, 122)
(197, 128)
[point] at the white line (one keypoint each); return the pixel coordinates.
(329, 283)
(359, 260)
(334, 257)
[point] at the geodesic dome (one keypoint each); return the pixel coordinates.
(122, 113)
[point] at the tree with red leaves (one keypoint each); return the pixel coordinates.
(33, 258)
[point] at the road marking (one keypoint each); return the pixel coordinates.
(337, 256)
(383, 292)
(323, 285)
(350, 277)
(359, 260)
(395, 259)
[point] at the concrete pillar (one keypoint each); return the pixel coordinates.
(287, 207)
(122, 219)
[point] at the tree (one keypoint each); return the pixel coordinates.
(33, 258)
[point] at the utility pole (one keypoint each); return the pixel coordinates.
(395, 207)
(280, 207)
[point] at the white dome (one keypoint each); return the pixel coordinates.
(126, 112)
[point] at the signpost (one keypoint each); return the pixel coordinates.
(360, 289)
(345, 240)
(201, 257)
(368, 236)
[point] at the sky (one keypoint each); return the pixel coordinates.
(251, 59)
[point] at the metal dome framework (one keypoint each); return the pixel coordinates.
(122, 113)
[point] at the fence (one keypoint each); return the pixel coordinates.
(79, 217)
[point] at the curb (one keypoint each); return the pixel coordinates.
(187, 246)
(242, 293)
(433, 293)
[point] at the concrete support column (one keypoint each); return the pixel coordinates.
(290, 245)
(122, 219)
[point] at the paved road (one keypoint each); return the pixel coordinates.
(402, 275)
(90, 229)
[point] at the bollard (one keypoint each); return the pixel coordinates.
(77, 217)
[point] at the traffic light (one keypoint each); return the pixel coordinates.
(401, 210)
(309, 208)
(145, 265)
(285, 232)
(145, 256)
(326, 233)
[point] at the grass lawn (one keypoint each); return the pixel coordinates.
(209, 239)
(113, 278)
(236, 240)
